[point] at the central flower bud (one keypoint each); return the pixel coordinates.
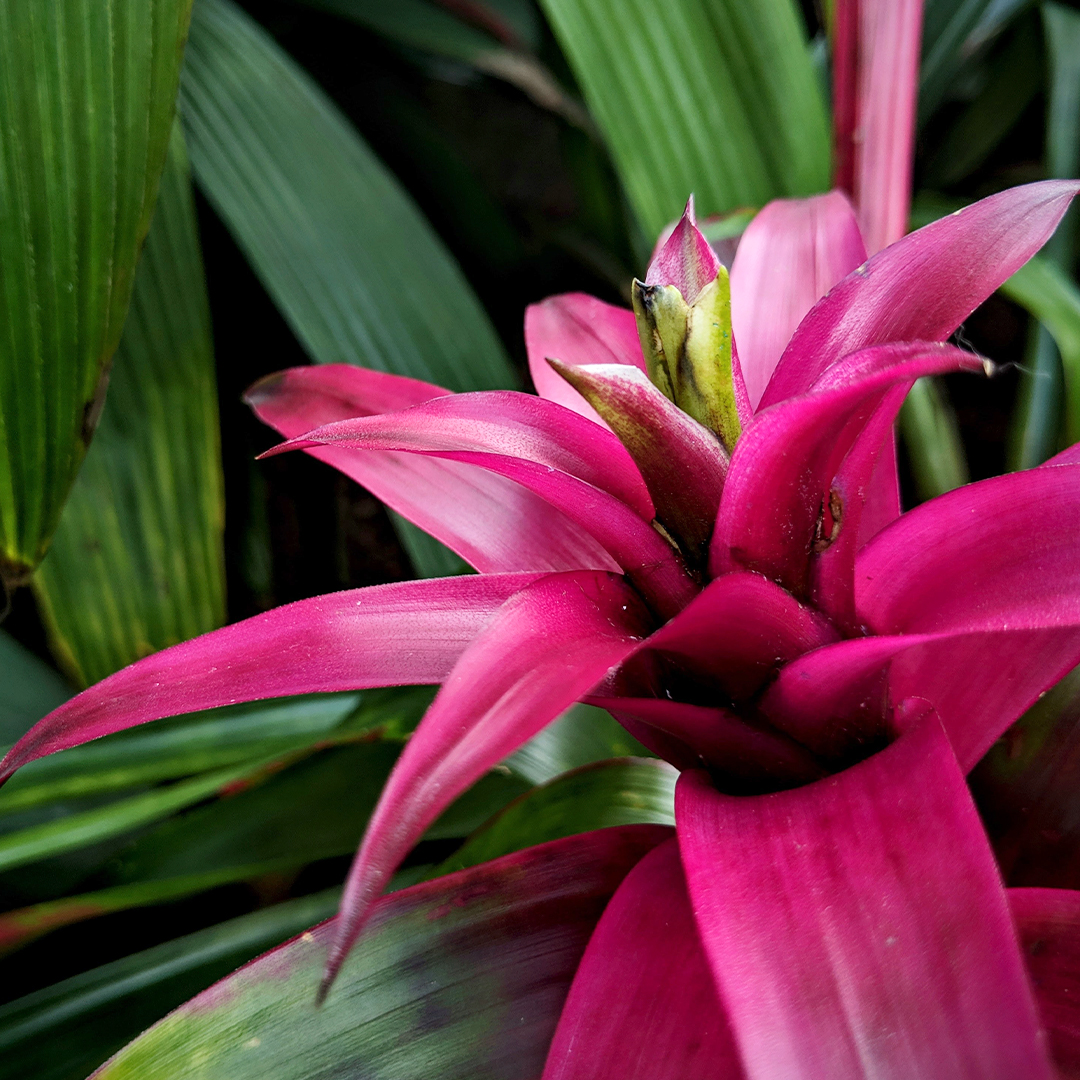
(683, 311)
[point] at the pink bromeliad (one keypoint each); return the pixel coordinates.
(696, 525)
(741, 591)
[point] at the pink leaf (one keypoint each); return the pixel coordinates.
(577, 329)
(682, 463)
(566, 457)
(791, 255)
(1000, 554)
(857, 927)
(491, 522)
(716, 737)
(458, 978)
(387, 635)
(985, 581)
(925, 285)
(887, 38)
(643, 1003)
(738, 631)
(685, 260)
(545, 649)
(779, 506)
(1048, 923)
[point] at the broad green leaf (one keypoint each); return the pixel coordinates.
(932, 440)
(626, 792)
(581, 736)
(712, 97)
(87, 98)
(137, 562)
(461, 977)
(29, 689)
(359, 274)
(354, 267)
(1054, 299)
(1061, 27)
(66, 1030)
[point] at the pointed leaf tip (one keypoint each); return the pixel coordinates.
(538, 655)
(686, 260)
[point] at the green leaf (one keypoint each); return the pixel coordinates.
(316, 809)
(137, 563)
(87, 96)
(581, 736)
(932, 440)
(355, 268)
(461, 977)
(29, 689)
(712, 97)
(357, 271)
(1054, 299)
(65, 1030)
(598, 796)
(80, 830)
(947, 25)
(185, 745)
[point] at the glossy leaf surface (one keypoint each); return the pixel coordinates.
(137, 562)
(597, 796)
(643, 1002)
(487, 957)
(857, 927)
(78, 179)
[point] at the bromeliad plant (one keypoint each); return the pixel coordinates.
(699, 529)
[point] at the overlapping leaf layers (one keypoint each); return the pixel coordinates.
(721, 562)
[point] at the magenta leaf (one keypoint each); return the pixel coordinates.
(682, 463)
(925, 285)
(568, 457)
(491, 522)
(685, 259)
(779, 507)
(458, 978)
(386, 635)
(577, 329)
(692, 735)
(1048, 924)
(1000, 554)
(547, 647)
(643, 1003)
(857, 927)
(886, 37)
(738, 631)
(791, 255)
(506, 423)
